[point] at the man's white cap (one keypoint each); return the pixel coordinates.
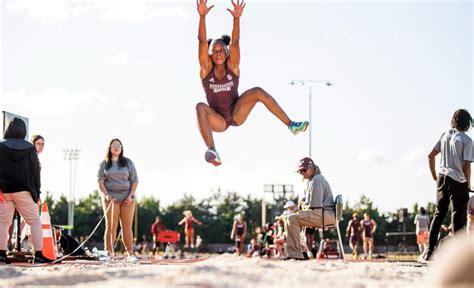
(289, 203)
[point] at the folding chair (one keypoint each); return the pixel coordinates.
(339, 253)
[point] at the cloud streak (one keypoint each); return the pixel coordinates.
(374, 157)
(118, 59)
(105, 10)
(52, 102)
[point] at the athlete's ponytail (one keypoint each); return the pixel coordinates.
(226, 39)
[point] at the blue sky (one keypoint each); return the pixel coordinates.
(88, 71)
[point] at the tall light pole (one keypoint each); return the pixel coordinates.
(71, 155)
(280, 193)
(310, 83)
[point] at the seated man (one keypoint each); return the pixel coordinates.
(318, 198)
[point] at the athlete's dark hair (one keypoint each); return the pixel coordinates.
(122, 161)
(461, 120)
(35, 138)
(224, 38)
(422, 210)
(16, 129)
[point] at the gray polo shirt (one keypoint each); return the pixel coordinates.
(455, 148)
(318, 193)
(118, 180)
(422, 222)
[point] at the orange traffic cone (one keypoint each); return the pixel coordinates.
(49, 250)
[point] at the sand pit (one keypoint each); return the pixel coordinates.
(225, 271)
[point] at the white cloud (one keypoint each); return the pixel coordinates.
(374, 157)
(118, 59)
(60, 102)
(415, 156)
(145, 117)
(132, 105)
(107, 10)
(13, 97)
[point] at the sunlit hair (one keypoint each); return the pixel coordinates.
(224, 40)
(35, 138)
(461, 120)
(122, 161)
(16, 129)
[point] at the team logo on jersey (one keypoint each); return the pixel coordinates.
(229, 77)
(212, 80)
(221, 87)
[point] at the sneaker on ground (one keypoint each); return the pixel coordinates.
(212, 157)
(297, 127)
(132, 259)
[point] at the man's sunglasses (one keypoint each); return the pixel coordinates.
(302, 171)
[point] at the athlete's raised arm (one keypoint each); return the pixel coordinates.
(234, 47)
(204, 60)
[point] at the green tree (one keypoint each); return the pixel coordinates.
(58, 211)
(148, 209)
(87, 213)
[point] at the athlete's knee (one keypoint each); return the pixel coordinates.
(261, 94)
(237, 122)
(258, 91)
(201, 108)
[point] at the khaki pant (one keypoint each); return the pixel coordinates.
(124, 213)
(28, 209)
(304, 218)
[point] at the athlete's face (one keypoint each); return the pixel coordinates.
(39, 145)
(115, 148)
(218, 54)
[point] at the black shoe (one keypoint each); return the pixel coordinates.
(4, 258)
(305, 256)
(427, 256)
(293, 258)
(40, 258)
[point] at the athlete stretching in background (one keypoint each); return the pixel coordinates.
(219, 60)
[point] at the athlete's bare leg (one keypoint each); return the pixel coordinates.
(209, 121)
(371, 247)
(191, 238)
(246, 102)
(366, 242)
(186, 239)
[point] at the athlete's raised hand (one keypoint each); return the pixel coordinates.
(238, 8)
(202, 7)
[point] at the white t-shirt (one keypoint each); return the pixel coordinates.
(455, 148)
(422, 222)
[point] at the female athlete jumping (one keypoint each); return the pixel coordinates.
(219, 60)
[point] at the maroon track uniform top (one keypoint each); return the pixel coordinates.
(222, 94)
(156, 228)
(368, 229)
